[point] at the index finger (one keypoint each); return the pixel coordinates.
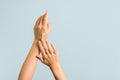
(45, 19)
(41, 48)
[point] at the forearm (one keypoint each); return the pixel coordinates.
(58, 72)
(30, 63)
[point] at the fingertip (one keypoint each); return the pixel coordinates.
(53, 46)
(46, 13)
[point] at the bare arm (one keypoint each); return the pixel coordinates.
(58, 72)
(50, 58)
(30, 63)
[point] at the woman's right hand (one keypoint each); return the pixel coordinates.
(49, 53)
(50, 58)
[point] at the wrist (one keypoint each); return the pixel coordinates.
(35, 41)
(55, 66)
(35, 47)
(58, 72)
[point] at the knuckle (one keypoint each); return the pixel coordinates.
(45, 56)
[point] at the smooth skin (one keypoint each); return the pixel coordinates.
(50, 58)
(38, 52)
(30, 63)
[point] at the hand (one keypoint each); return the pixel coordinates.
(49, 56)
(49, 53)
(42, 27)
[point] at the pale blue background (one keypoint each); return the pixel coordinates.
(86, 34)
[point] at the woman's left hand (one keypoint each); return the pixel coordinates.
(42, 27)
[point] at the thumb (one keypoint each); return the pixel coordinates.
(40, 57)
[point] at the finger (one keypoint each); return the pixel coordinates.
(40, 57)
(44, 46)
(45, 21)
(40, 22)
(54, 49)
(41, 48)
(37, 22)
(45, 18)
(49, 47)
(48, 27)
